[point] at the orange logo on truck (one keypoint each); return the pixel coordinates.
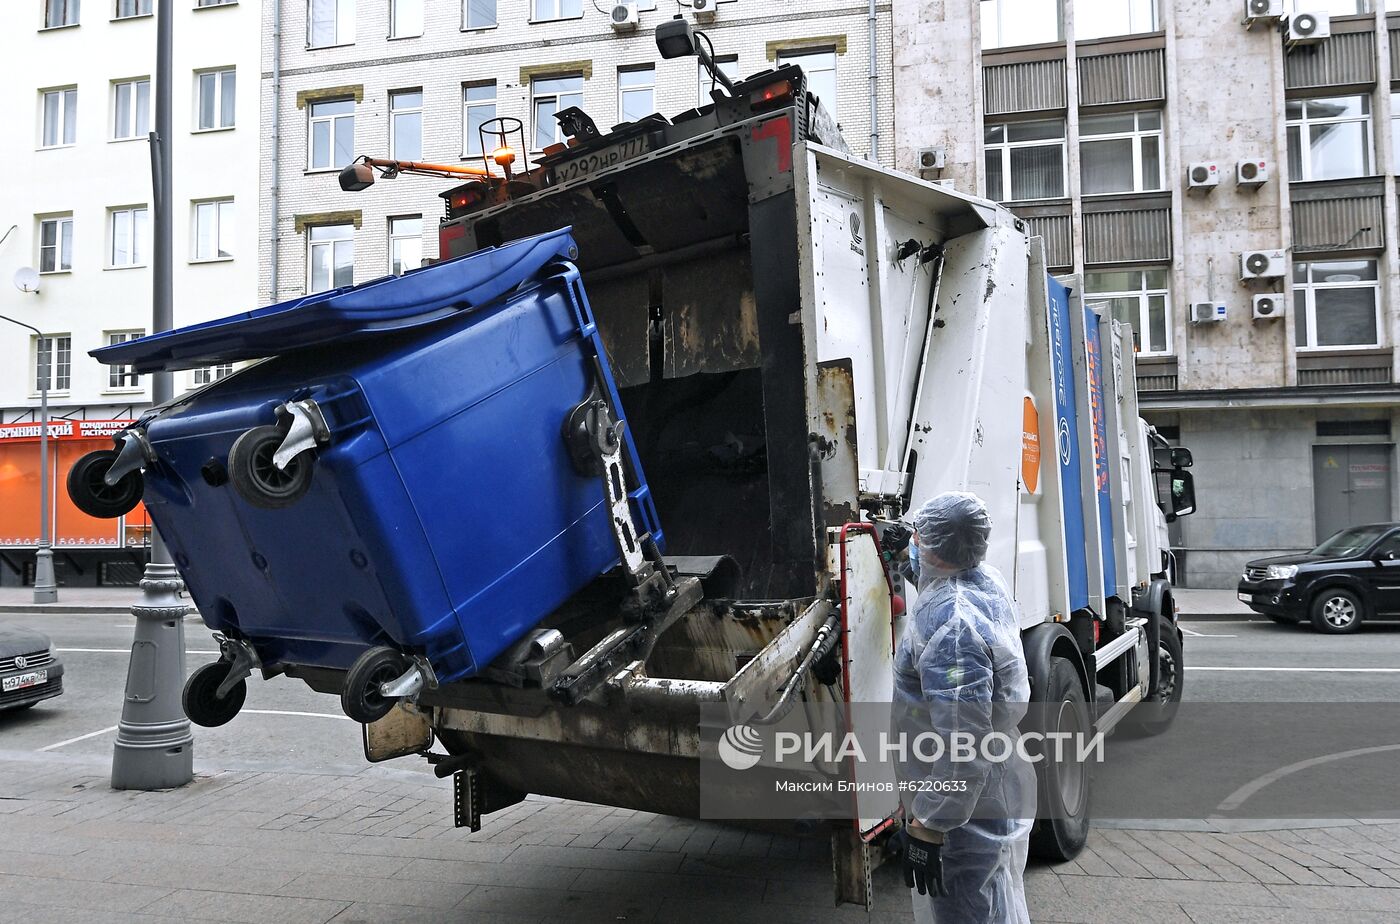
(1030, 447)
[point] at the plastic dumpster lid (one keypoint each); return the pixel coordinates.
(391, 303)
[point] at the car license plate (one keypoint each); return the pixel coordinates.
(21, 681)
(610, 156)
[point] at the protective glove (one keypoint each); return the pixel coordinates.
(923, 865)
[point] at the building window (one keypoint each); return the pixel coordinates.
(208, 375)
(330, 257)
(545, 10)
(1395, 127)
(728, 66)
(1098, 18)
(332, 129)
(60, 121)
(405, 244)
(60, 13)
(1025, 160)
(217, 91)
(216, 2)
(1021, 22)
(405, 18)
(128, 8)
(1329, 138)
(128, 237)
(406, 125)
(636, 91)
(1121, 152)
(481, 14)
(53, 364)
(330, 22)
(56, 244)
(820, 67)
(1138, 298)
(478, 108)
(1336, 304)
(549, 95)
(213, 230)
(123, 376)
(131, 109)
(1338, 7)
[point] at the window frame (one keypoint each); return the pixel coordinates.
(1309, 290)
(137, 248)
(211, 4)
(135, 84)
(1000, 25)
(397, 238)
(208, 375)
(340, 20)
(558, 97)
(74, 5)
(393, 15)
(331, 243)
(60, 365)
(703, 80)
(117, 10)
(1154, 13)
(1007, 146)
(312, 119)
(795, 55)
(121, 378)
(1304, 125)
(1142, 324)
(395, 113)
(67, 117)
(219, 74)
(467, 106)
(222, 232)
(1135, 136)
(649, 87)
(61, 254)
(468, 26)
(558, 12)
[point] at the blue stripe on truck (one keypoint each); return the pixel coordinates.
(1066, 447)
(1094, 352)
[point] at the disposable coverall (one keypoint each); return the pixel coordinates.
(959, 667)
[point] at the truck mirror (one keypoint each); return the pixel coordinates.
(1183, 500)
(1181, 457)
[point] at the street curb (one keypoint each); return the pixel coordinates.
(72, 609)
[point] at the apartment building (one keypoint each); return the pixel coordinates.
(76, 208)
(1222, 174)
(415, 80)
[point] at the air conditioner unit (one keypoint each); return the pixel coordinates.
(1207, 313)
(1262, 264)
(1268, 307)
(1308, 28)
(623, 17)
(1253, 172)
(1264, 11)
(932, 158)
(1202, 177)
(704, 10)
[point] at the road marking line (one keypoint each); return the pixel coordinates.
(312, 715)
(1192, 633)
(1301, 670)
(54, 747)
(119, 651)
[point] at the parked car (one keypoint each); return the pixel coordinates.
(1352, 576)
(29, 672)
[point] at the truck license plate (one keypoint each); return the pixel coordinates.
(594, 161)
(21, 681)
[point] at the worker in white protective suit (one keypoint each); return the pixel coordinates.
(960, 668)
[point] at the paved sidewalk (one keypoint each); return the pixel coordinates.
(95, 601)
(378, 845)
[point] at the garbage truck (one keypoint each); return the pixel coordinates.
(781, 351)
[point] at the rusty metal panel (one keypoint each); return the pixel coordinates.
(1350, 222)
(1135, 236)
(622, 307)
(1059, 238)
(835, 442)
(710, 316)
(1123, 77)
(1026, 86)
(1345, 59)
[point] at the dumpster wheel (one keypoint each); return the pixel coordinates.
(362, 698)
(93, 496)
(255, 475)
(201, 697)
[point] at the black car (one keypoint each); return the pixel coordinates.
(1353, 576)
(29, 672)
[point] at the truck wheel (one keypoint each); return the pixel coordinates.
(201, 698)
(1155, 715)
(257, 479)
(361, 698)
(1063, 785)
(95, 497)
(1336, 611)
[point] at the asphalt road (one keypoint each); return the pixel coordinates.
(285, 726)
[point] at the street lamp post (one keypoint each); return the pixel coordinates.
(45, 587)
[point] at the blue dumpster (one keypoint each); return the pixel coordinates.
(444, 514)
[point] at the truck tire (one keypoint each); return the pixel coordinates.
(93, 496)
(257, 479)
(1063, 787)
(1155, 715)
(1337, 611)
